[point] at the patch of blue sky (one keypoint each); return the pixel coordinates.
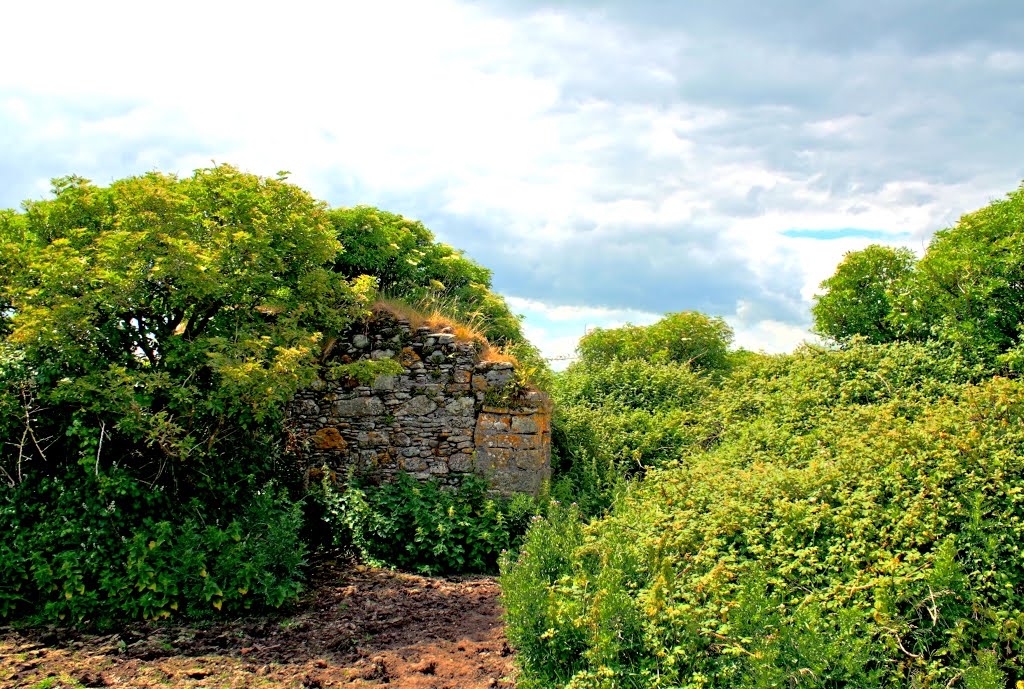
(845, 233)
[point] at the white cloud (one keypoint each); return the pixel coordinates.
(605, 160)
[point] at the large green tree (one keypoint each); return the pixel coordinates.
(968, 289)
(687, 337)
(858, 297)
(164, 321)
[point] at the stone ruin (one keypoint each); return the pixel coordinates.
(445, 415)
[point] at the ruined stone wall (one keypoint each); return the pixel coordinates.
(445, 415)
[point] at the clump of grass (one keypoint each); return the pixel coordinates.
(434, 316)
(440, 316)
(493, 354)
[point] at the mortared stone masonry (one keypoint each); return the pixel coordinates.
(445, 415)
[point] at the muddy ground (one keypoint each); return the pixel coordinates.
(356, 627)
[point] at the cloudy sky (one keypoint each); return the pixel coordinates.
(609, 161)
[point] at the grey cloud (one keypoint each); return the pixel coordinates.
(838, 26)
(931, 105)
(673, 269)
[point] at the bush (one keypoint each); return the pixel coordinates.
(838, 518)
(99, 562)
(614, 421)
(687, 337)
(423, 526)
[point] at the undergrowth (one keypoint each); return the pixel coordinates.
(423, 526)
(832, 518)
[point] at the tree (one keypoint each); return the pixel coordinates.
(687, 337)
(407, 262)
(968, 288)
(166, 321)
(858, 297)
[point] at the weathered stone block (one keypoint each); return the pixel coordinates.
(413, 464)
(305, 408)
(369, 458)
(529, 460)
(385, 383)
(329, 439)
(461, 463)
(359, 406)
(421, 405)
(493, 459)
(493, 422)
(525, 424)
(461, 406)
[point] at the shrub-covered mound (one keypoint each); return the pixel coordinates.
(151, 333)
(846, 518)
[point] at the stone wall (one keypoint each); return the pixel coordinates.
(445, 415)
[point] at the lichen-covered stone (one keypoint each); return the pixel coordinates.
(421, 405)
(525, 424)
(329, 439)
(359, 406)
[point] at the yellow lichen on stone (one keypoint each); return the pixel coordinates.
(329, 439)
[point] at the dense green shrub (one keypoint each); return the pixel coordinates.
(95, 554)
(423, 526)
(688, 337)
(834, 518)
(151, 333)
(614, 420)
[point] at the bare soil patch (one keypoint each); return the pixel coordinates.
(356, 627)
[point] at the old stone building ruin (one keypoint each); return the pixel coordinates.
(442, 414)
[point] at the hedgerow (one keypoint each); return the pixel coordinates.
(832, 518)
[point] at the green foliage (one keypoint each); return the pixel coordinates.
(106, 559)
(364, 371)
(831, 518)
(613, 421)
(164, 322)
(857, 300)
(409, 264)
(969, 286)
(424, 526)
(965, 291)
(687, 337)
(540, 626)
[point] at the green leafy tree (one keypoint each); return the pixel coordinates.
(165, 321)
(687, 337)
(969, 286)
(858, 297)
(409, 264)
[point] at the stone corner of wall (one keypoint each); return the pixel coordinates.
(432, 420)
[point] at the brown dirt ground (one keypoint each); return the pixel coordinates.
(356, 627)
